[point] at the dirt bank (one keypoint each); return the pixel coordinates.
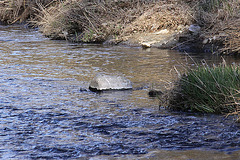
(203, 26)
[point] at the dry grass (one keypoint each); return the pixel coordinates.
(162, 15)
(232, 42)
(12, 11)
(220, 20)
(96, 21)
(81, 20)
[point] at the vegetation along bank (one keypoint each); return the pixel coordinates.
(196, 25)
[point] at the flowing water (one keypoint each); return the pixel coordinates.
(46, 113)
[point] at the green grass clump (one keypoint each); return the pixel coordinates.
(208, 89)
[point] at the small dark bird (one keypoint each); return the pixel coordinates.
(154, 93)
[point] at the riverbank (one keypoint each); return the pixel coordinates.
(46, 116)
(192, 26)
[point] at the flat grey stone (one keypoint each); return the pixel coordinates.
(109, 82)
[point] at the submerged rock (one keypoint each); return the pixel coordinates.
(109, 82)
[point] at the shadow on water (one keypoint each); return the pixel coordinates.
(44, 115)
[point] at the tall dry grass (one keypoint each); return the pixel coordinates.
(96, 21)
(12, 11)
(91, 21)
(232, 41)
(162, 15)
(220, 20)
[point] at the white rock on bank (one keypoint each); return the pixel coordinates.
(164, 31)
(148, 44)
(195, 29)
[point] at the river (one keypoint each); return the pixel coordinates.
(46, 113)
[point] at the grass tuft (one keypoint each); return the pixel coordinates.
(208, 89)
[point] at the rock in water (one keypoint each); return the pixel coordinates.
(110, 82)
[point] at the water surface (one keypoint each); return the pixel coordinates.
(45, 115)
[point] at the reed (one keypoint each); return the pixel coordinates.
(208, 89)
